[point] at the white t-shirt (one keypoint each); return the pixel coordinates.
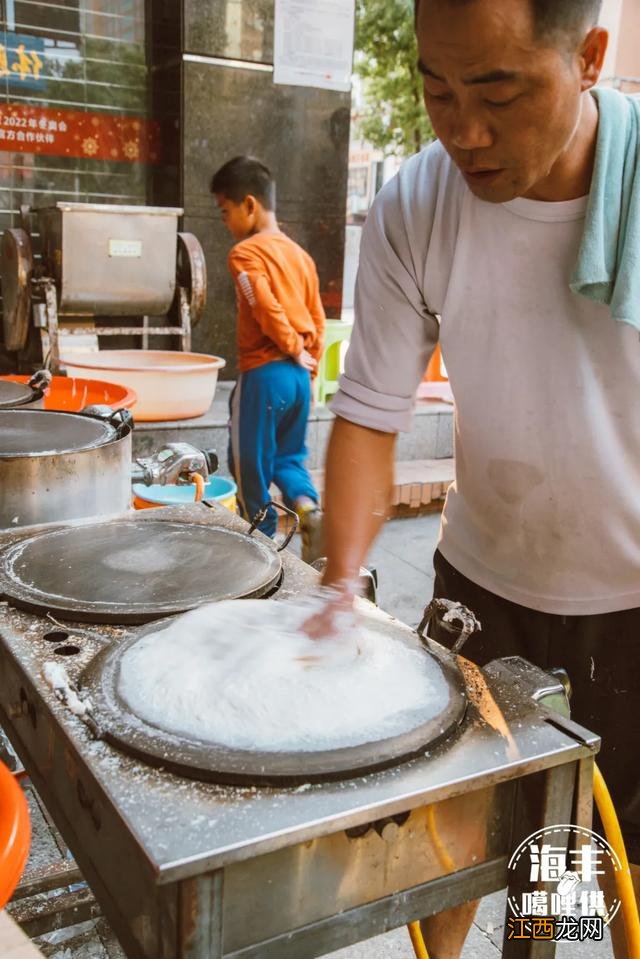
(545, 509)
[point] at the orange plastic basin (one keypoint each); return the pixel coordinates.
(72, 394)
(15, 833)
(170, 384)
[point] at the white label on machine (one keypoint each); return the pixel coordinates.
(131, 248)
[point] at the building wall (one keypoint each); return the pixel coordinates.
(610, 18)
(201, 70)
(301, 133)
(622, 63)
(91, 66)
(628, 48)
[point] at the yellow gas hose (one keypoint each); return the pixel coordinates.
(442, 852)
(447, 863)
(417, 940)
(624, 883)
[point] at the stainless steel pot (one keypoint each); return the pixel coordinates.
(56, 467)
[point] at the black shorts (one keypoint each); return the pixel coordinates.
(600, 653)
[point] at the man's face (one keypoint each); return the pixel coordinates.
(238, 218)
(504, 102)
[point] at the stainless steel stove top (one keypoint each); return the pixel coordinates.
(156, 847)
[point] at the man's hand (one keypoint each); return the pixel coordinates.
(334, 616)
(306, 361)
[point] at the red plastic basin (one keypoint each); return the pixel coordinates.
(15, 833)
(71, 393)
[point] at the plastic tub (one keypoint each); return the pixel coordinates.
(71, 394)
(169, 385)
(217, 488)
(15, 833)
(435, 382)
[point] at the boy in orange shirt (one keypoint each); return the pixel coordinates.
(280, 338)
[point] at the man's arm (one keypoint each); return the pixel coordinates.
(358, 484)
(393, 337)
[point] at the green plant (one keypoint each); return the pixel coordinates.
(394, 119)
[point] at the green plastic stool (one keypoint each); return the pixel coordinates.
(336, 332)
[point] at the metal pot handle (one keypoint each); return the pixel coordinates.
(121, 420)
(260, 515)
(459, 620)
(40, 383)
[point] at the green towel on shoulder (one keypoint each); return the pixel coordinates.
(608, 267)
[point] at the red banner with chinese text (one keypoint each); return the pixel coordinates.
(76, 133)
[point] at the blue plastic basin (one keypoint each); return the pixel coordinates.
(216, 488)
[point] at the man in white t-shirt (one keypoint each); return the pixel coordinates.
(473, 244)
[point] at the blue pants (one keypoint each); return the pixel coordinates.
(269, 409)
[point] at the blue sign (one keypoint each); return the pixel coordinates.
(22, 61)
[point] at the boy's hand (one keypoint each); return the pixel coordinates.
(306, 361)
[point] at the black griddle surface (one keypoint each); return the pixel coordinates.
(134, 571)
(40, 432)
(14, 394)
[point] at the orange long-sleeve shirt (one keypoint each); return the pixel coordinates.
(279, 307)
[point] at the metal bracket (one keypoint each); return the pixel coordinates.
(260, 515)
(455, 618)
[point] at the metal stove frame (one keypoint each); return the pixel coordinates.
(187, 870)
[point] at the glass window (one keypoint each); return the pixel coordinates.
(73, 103)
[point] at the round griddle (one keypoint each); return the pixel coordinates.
(15, 394)
(134, 571)
(41, 432)
(209, 762)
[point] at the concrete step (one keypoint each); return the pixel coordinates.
(431, 435)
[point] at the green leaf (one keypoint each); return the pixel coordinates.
(394, 118)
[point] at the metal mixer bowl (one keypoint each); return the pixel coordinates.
(61, 466)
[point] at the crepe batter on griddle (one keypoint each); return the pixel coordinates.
(242, 674)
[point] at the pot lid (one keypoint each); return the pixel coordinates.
(134, 571)
(208, 761)
(43, 432)
(14, 394)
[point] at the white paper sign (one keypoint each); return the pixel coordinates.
(313, 43)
